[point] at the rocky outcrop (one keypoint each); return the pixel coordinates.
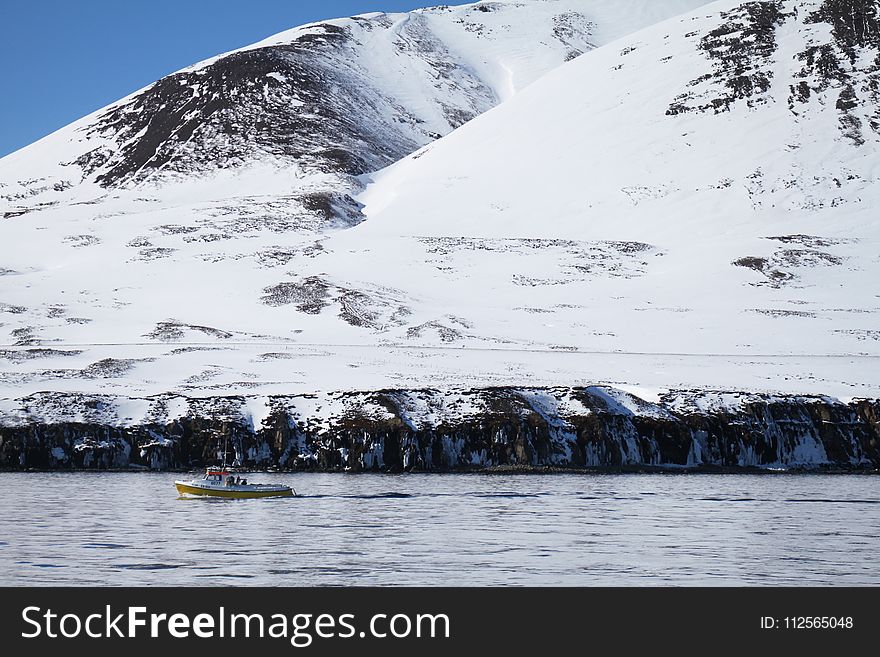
(431, 430)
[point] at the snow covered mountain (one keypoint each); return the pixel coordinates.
(686, 206)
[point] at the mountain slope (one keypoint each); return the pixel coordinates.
(703, 190)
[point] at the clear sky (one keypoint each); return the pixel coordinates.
(63, 59)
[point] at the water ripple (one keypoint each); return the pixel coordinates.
(468, 530)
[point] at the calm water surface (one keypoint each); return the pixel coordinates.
(133, 529)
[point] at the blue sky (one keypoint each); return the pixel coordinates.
(62, 59)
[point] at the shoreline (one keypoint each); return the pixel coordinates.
(495, 470)
(487, 430)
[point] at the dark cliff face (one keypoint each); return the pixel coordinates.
(582, 428)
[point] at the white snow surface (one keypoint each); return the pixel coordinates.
(576, 234)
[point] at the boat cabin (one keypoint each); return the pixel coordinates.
(223, 478)
(216, 476)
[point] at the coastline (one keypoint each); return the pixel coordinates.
(498, 470)
(502, 429)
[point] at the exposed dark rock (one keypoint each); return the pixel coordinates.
(741, 52)
(359, 308)
(781, 268)
(430, 430)
(171, 331)
(301, 101)
(311, 295)
(21, 355)
(840, 65)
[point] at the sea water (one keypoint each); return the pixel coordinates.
(443, 529)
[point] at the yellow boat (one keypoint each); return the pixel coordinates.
(221, 483)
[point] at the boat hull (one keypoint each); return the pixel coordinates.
(185, 488)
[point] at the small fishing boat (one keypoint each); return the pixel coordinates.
(220, 482)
